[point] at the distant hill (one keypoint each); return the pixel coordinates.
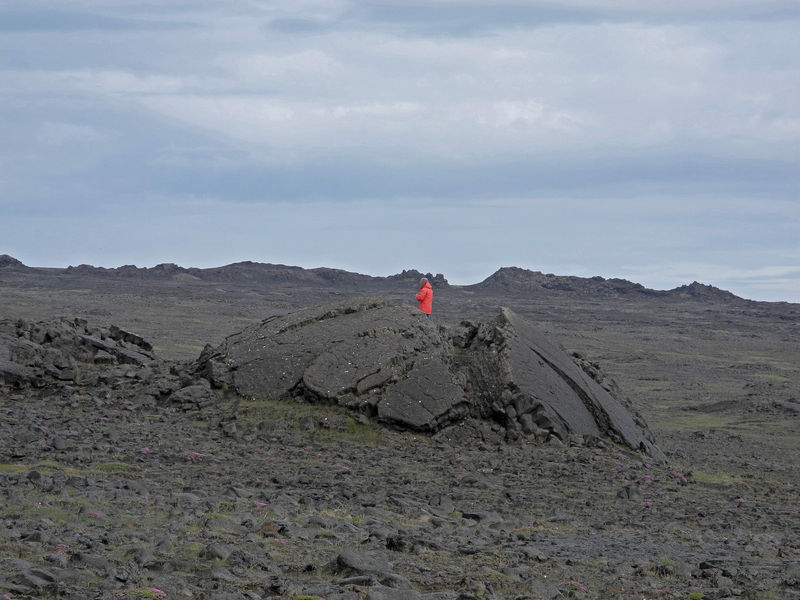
(11, 264)
(517, 281)
(509, 281)
(701, 290)
(513, 280)
(241, 273)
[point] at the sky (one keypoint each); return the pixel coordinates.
(654, 141)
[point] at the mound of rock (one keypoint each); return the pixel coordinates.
(519, 377)
(382, 360)
(37, 353)
(390, 363)
(106, 363)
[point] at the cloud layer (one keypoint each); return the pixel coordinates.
(675, 126)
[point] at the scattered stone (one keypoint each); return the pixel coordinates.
(629, 492)
(195, 396)
(215, 551)
(543, 589)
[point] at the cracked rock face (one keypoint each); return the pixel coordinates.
(522, 378)
(390, 363)
(35, 354)
(386, 361)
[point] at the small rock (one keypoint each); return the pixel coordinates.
(362, 563)
(630, 492)
(541, 588)
(223, 574)
(215, 551)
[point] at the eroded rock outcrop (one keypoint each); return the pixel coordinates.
(36, 353)
(392, 364)
(87, 361)
(523, 379)
(385, 361)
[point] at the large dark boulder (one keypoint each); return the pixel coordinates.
(392, 364)
(386, 361)
(12, 373)
(523, 378)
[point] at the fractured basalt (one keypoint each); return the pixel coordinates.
(391, 364)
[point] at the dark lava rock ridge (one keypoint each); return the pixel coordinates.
(387, 362)
(101, 364)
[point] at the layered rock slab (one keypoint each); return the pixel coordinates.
(390, 363)
(522, 377)
(64, 350)
(386, 361)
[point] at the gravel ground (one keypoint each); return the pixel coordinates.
(104, 497)
(110, 490)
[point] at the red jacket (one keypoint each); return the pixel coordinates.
(425, 298)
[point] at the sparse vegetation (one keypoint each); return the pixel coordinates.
(300, 483)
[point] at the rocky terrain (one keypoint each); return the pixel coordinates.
(134, 465)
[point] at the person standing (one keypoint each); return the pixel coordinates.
(425, 297)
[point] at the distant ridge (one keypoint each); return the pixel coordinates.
(253, 272)
(511, 281)
(517, 281)
(701, 290)
(11, 263)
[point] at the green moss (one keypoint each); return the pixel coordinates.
(54, 513)
(48, 464)
(694, 420)
(216, 515)
(718, 478)
(253, 411)
(114, 467)
(226, 506)
(367, 435)
(143, 592)
(193, 548)
(11, 468)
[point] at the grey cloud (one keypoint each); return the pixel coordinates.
(297, 26)
(426, 19)
(318, 116)
(475, 18)
(63, 18)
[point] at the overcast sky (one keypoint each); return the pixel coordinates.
(655, 141)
